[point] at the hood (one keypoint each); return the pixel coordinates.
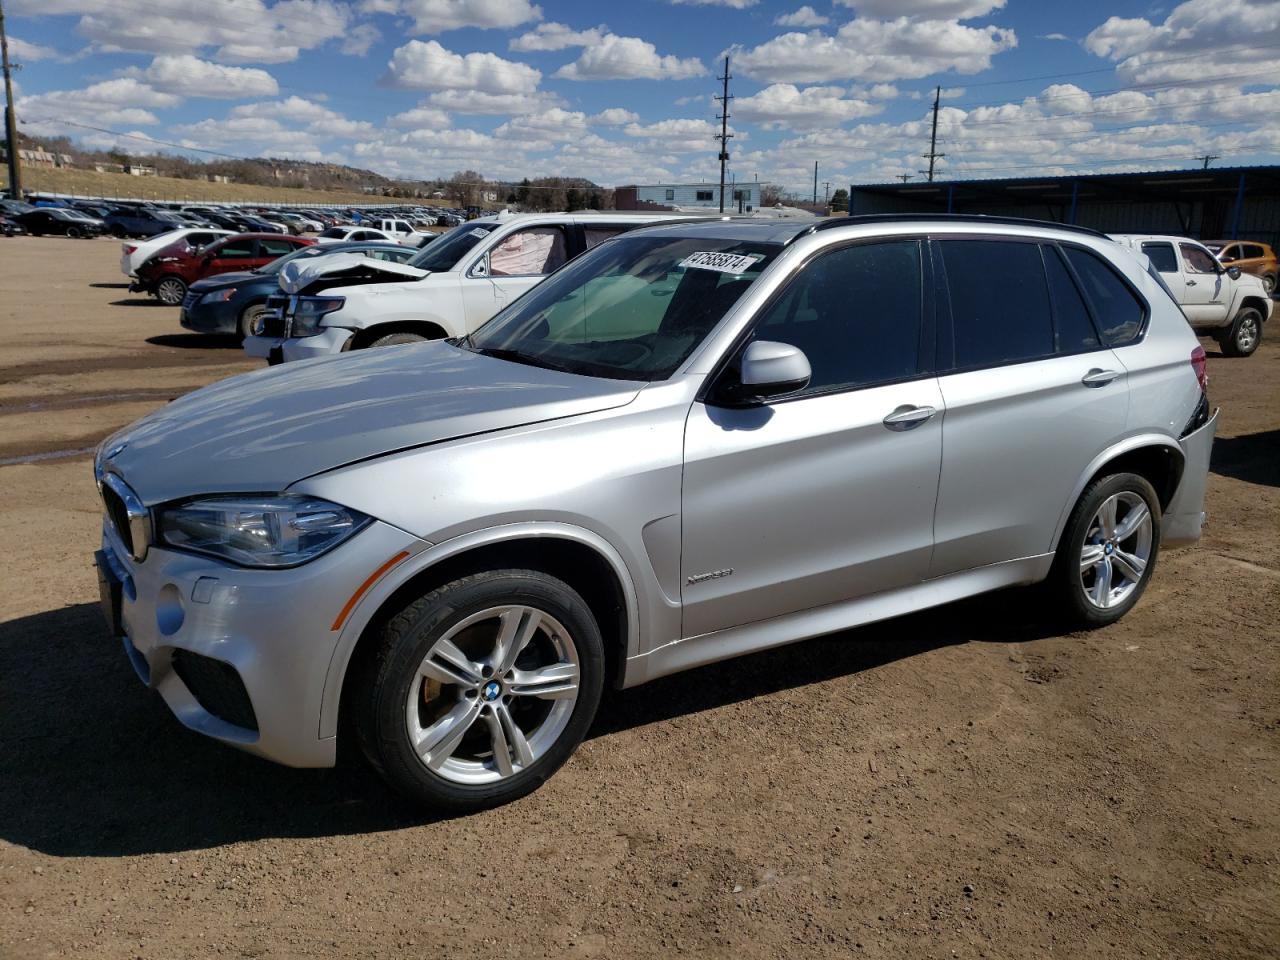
(262, 431)
(221, 280)
(341, 270)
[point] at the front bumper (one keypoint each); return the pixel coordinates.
(1183, 519)
(207, 318)
(274, 628)
(328, 341)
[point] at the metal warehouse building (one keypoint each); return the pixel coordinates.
(1223, 203)
(744, 196)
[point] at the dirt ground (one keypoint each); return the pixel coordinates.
(968, 782)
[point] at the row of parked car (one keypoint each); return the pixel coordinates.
(142, 219)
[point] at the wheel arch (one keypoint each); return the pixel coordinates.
(431, 329)
(1156, 457)
(1254, 302)
(581, 558)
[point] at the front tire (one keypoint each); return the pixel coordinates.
(171, 290)
(1108, 550)
(1244, 335)
(480, 690)
(391, 339)
(248, 317)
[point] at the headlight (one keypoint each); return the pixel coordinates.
(267, 531)
(218, 296)
(309, 311)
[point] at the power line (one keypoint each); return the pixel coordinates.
(724, 135)
(1207, 157)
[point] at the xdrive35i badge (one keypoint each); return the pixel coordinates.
(713, 575)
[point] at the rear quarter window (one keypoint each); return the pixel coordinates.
(1116, 308)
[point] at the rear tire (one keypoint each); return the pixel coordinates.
(1105, 559)
(171, 290)
(1244, 335)
(391, 339)
(1269, 283)
(460, 720)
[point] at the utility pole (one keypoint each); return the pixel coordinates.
(904, 177)
(10, 118)
(826, 190)
(815, 182)
(1208, 157)
(933, 153)
(725, 135)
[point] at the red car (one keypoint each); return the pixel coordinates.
(168, 274)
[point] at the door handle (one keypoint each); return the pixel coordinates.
(1191, 283)
(1099, 378)
(906, 417)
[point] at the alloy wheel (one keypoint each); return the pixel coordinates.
(493, 694)
(1247, 334)
(1116, 550)
(170, 292)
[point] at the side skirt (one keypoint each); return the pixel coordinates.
(763, 634)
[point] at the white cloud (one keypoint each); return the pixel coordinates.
(262, 136)
(784, 105)
(614, 117)
(420, 65)
(557, 36)
(551, 126)
(189, 76)
(679, 136)
(20, 50)
(1052, 36)
(318, 120)
(421, 116)
(923, 9)
(733, 4)
(804, 17)
(901, 49)
(244, 31)
(123, 101)
(1199, 39)
(360, 39)
(475, 102)
(629, 58)
(437, 16)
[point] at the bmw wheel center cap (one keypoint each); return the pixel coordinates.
(490, 691)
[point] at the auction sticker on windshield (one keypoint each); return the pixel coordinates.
(721, 262)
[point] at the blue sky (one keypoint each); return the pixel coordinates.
(622, 94)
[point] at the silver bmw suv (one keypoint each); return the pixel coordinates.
(694, 441)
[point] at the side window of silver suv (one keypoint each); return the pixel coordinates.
(999, 299)
(856, 313)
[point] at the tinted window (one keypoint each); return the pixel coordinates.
(1198, 260)
(1118, 310)
(1073, 331)
(1251, 251)
(856, 314)
(235, 248)
(999, 302)
(1162, 256)
(275, 248)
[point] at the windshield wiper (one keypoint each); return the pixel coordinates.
(515, 356)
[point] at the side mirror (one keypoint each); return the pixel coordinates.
(771, 370)
(1233, 273)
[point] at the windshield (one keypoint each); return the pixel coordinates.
(445, 251)
(631, 309)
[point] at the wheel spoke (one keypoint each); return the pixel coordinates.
(498, 739)
(1091, 556)
(1132, 522)
(448, 664)
(439, 740)
(518, 625)
(1102, 583)
(1129, 565)
(1107, 518)
(556, 682)
(511, 749)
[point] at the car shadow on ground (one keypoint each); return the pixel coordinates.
(1254, 457)
(110, 286)
(94, 765)
(197, 341)
(140, 302)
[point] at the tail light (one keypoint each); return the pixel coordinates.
(1198, 364)
(130, 247)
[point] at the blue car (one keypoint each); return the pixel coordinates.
(232, 302)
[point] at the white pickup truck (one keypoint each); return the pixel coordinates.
(1220, 302)
(449, 288)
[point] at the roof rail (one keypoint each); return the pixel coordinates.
(832, 222)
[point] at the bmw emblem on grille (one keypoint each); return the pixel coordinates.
(489, 692)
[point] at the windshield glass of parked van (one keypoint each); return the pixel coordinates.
(633, 308)
(445, 251)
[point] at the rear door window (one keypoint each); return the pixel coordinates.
(1073, 330)
(856, 313)
(1118, 310)
(1162, 256)
(234, 249)
(1249, 251)
(275, 248)
(999, 302)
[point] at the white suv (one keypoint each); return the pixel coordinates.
(449, 289)
(1219, 301)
